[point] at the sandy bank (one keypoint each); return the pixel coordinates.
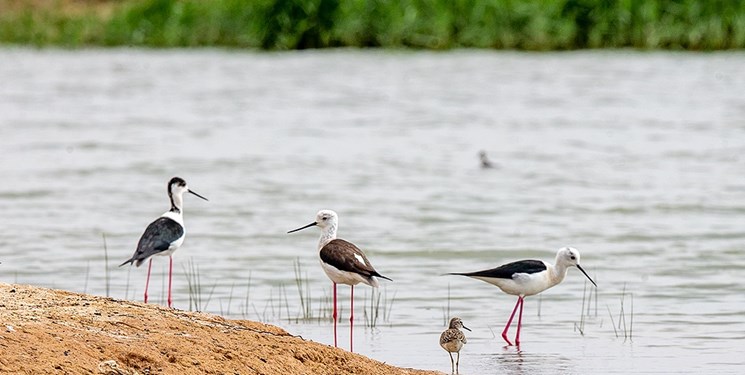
(47, 331)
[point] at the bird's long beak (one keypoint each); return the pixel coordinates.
(301, 228)
(469, 330)
(192, 191)
(588, 276)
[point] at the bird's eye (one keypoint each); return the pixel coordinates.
(573, 257)
(325, 218)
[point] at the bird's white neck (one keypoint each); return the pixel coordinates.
(176, 216)
(177, 202)
(557, 272)
(327, 235)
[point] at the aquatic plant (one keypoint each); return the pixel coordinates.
(197, 301)
(379, 306)
(105, 266)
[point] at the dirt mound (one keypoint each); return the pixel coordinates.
(47, 331)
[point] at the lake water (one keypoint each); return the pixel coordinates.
(636, 159)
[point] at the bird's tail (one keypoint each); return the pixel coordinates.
(130, 261)
(383, 277)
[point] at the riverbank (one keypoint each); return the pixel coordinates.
(52, 331)
(439, 24)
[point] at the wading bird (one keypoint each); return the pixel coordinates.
(164, 235)
(527, 278)
(452, 340)
(343, 262)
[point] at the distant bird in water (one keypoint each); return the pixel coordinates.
(485, 162)
(164, 235)
(343, 262)
(452, 340)
(528, 277)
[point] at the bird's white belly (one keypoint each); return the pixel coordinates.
(522, 284)
(342, 277)
(174, 246)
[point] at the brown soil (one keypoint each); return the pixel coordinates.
(45, 331)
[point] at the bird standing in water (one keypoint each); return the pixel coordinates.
(343, 262)
(164, 235)
(452, 340)
(528, 277)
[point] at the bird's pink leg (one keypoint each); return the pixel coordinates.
(504, 333)
(351, 322)
(170, 278)
(519, 321)
(147, 281)
(334, 316)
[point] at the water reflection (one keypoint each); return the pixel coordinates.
(514, 360)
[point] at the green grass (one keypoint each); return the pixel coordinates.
(427, 24)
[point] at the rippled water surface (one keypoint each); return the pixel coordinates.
(636, 159)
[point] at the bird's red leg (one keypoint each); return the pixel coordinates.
(334, 316)
(351, 322)
(504, 333)
(170, 278)
(519, 321)
(147, 281)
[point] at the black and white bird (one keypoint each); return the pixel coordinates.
(452, 340)
(527, 278)
(343, 262)
(164, 235)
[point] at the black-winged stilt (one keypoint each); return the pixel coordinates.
(452, 340)
(164, 235)
(343, 262)
(528, 277)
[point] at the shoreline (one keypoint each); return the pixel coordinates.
(55, 331)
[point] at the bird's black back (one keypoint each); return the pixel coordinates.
(157, 238)
(506, 271)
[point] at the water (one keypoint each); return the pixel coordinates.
(636, 159)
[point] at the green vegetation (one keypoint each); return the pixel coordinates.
(431, 24)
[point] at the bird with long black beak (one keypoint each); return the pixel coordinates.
(527, 278)
(164, 235)
(343, 262)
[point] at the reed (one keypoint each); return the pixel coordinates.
(612, 322)
(540, 301)
(244, 310)
(581, 325)
(446, 310)
(379, 306)
(432, 24)
(105, 266)
(197, 301)
(126, 289)
(87, 275)
(301, 281)
(621, 326)
(230, 301)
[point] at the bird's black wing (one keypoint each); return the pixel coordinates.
(506, 271)
(157, 238)
(345, 256)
